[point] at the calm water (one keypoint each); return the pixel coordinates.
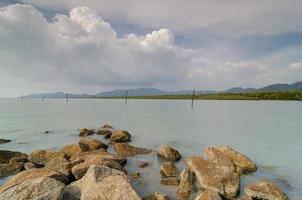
(269, 132)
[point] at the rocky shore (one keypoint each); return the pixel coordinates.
(87, 171)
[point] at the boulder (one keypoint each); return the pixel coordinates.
(86, 132)
(8, 169)
(107, 126)
(18, 159)
(212, 176)
(40, 188)
(41, 157)
(71, 149)
(30, 165)
(156, 196)
(208, 194)
(30, 175)
(265, 190)
(104, 132)
(5, 156)
(168, 153)
(101, 182)
(101, 154)
(62, 165)
(80, 170)
(170, 181)
(242, 163)
(246, 198)
(142, 164)
(4, 141)
(217, 157)
(186, 185)
(129, 150)
(120, 136)
(91, 144)
(169, 169)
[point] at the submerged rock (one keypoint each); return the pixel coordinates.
(6, 156)
(143, 164)
(120, 136)
(170, 181)
(168, 153)
(101, 182)
(129, 150)
(4, 141)
(91, 144)
(107, 126)
(242, 163)
(39, 188)
(86, 132)
(169, 169)
(41, 157)
(208, 194)
(135, 175)
(212, 176)
(30, 175)
(156, 196)
(186, 185)
(265, 190)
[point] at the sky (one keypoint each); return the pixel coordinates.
(89, 46)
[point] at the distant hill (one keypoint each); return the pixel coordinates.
(157, 92)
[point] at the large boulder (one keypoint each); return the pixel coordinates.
(265, 190)
(208, 194)
(212, 176)
(129, 150)
(41, 157)
(168, 153)
(242, 163)
(71, 149)
(156, 196)
(30, 175)
(8, 169)
(62, 165)
(6, 156)
(186, 185)
(103, 183)
(37, 189)
(86, 132)
(80, 169)
(91, 144)
(120, 136)
(217, 157)
(169, 169)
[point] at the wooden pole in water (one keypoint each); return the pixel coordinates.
(67, 97)
(126, 96)
(42, 99)
(193, 94)
(22, 97)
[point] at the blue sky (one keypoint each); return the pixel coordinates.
(96, 45)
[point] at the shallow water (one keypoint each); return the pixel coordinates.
(269, 132)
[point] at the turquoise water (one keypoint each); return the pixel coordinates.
(269, 132)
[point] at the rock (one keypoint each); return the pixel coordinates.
(108, 135)
(30, 175)
(217, 157)
(135, 175)
(8, 169)
(59, 164)
(242, 163)
(102, 154)
(40, 188)
(18, 159)
(104, 132)
(71, 149)
(41, 157)
(91, 144)
(169, 169)
(168, 153)
(46, 132)
(107, 126)
(143, 164)
(103, 183)
(212, 176)
(156, 196)
(129, 150)
(30, 165)
(265, 190)
(4, 141)
(246, 198)
(170, 181)
(208, 194)
(86, 132)
(186, 185)
(80, 170)
(5, 156)
(120, 136)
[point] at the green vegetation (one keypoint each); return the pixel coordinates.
(293, 95)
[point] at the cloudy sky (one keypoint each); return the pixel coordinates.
(96, 45)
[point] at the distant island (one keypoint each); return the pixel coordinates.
(270, 92)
